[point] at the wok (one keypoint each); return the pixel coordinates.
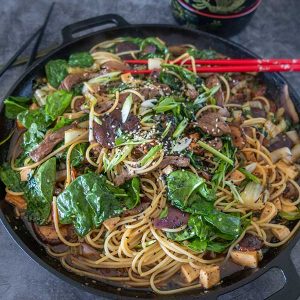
(279, 257)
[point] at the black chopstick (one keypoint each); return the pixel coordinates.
(19, 51)
(35, 48)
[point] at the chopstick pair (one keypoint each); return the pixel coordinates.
(39, 34)
(231, 65)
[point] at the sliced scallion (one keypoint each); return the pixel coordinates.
(180, 128)
(150, 155)
(126, 108)
(249, 175)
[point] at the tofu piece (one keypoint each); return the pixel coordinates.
(281, 233)
(288, 208)
(269, 212)
(111, 223)
(24, 174)
(277, 203)
(189, 273)
(246, 259)
(210, 276)
(237, 177)
(290, 170)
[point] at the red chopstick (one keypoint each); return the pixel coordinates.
(232, 69)
(232, 65)
(228, 61)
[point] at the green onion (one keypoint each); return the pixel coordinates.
(122, 142)
(167, 129)
(291, 216)
(249, 175)
(126, 108)
(215, 152)
(164, 212)
(150, 154)
(118, 157)
(180, 128)
(234, 191)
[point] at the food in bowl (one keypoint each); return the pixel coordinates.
(154, 181)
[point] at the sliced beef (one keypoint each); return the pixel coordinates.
(74, 79)
(89, 252)
(250, 242)
(122, 177)
(114, 65)
(260, 90)
(178, 50)
(279, 141)
(238, 137)
(216, 143)
(78, 103)
(149, 49)
(213, 124)
(191, 92)
(290, 191)
(105, 133)
(258, 113)
(177, 161)
(123, 97)
(174, 219)
(145, 203)
(213, 81)
(103, 106)
(155, 90)
(50, 141)
(125, 47)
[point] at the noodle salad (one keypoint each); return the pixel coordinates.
(153, 181)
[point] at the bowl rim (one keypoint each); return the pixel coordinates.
(247, 11)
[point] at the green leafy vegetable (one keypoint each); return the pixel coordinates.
(62, 122)
(37, 116)
(14, 105)
(78, 154)
(87, 202)
(167, 103)
(202, 54)
(56, 71)
(39, 192)
(57, 103)
(184, 73)
(11, 178)
(31, 138)
(133, 189)
(171, 80)
(291, 216)
(161, 49)
(81, 59)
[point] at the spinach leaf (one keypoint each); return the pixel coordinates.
(78, 154)
(56, 71)
(161, 49)
(37, 116)
(87, 202)
(57, 103)
(11, 178)
(81, 59)
(77, 89)
(39, 192)
(31, 138)
(185, 74)
(181, 235)
(61, 122)
(133, 190)
(181, 185)
(172, 81)
(202, 54)
(14, 105)
(217, 247)
(198, 245)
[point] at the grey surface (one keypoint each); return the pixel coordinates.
(273, 32)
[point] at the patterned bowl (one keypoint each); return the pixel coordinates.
(221, 24)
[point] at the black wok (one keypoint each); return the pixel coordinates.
(279, 257)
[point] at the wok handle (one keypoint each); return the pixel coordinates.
(68, 31)
(291, 289)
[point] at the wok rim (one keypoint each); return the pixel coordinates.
(212, 293)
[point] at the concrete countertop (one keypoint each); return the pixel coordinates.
(273, 32)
